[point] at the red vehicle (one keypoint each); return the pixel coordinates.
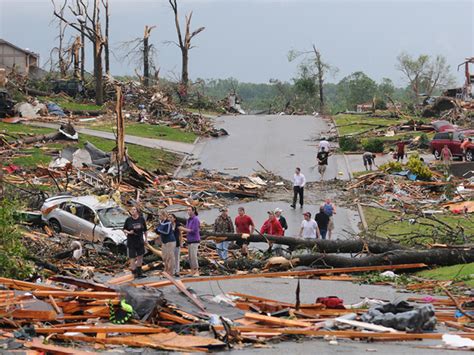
(453, 140)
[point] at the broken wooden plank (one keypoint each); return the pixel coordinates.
(295, 273)
(54, 349)
(277, 321)
(180, 286)
(365, 325)
(103, 329)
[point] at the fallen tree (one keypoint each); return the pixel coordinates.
(432, 257)
(321, 245)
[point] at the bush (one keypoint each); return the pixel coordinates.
(419, 168)
(424, 141)
(374, 145)
(12, 251)
(348, 144)
(391, 167)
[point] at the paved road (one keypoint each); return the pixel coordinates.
(279, 143)
(175, 147)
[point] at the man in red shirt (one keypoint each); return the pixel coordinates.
(401, 150)
(272, 226)
(243, 224)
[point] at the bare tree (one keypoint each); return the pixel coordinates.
(184, 43)
(59, 50)
(313, 66)
(425, 74)
(105, 4)
(140, 51)
(88, 23)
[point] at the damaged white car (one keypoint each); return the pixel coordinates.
(87, 217)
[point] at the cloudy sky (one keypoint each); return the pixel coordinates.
(250, 39)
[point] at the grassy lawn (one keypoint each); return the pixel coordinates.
(147, 158)
(361, 123)
(454, 272)
(72, 105)
(391, 226)
(150, 131)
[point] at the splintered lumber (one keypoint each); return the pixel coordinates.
(129, 276)
(295, 273)
(54, 349)
(164, 341)
(364, 325)
(440, 257)
(277, 321)
(83, 294)
(105, 328)
(81, 283)
(322, 245)
(351, 334)
(24, 285)
(180, 286)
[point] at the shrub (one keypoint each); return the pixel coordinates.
(424, 141)
(374, 145)
(348, 144)
(12, 251)
(391, 167)
(419, 168)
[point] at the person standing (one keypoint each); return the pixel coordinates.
(243, 225)
(136, 231)
(175, 224)
(466, 142)
(322, 219)
(168, 242)
(193, 238)
(271, 226)
(322, 156)
(330, 211)
(298, 187)
(281, 219)
(446, 156)
(368, 159)
(309, 228)
(400, 150)
(223, 224)
(323, 143)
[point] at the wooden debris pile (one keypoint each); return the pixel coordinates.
(168, 316)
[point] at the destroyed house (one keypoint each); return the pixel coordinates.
(18, 59)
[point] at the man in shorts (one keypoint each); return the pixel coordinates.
(135, 229)
(323, 156)
(243, 225)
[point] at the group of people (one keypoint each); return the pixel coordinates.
(171, 232)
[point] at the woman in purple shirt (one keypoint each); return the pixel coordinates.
(193, 238)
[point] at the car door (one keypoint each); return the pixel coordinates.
(67, 217)
(455, 145)
(86, 224)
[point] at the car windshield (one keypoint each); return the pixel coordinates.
(112, 217)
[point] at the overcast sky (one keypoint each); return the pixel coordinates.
(250, 39)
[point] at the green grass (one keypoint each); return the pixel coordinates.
(145, 157)
(150, 131)
(361, 123)
(72, 105)
(21, 128)
(391, 226)
(455, 272)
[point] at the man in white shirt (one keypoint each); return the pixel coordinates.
(323, 143)
(309, 227)
(298, 187)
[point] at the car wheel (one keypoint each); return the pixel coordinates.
(470, 155)
(114, 248)
(437, 155)
(54, 223)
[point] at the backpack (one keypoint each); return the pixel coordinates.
(328, 209)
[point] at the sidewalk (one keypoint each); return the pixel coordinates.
(175, 147)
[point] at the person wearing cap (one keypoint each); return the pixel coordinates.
(243, 225)
(298, 187)
(272, 226)
(322, 157)
(281, 219)
(309, 227)
(223, 224)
